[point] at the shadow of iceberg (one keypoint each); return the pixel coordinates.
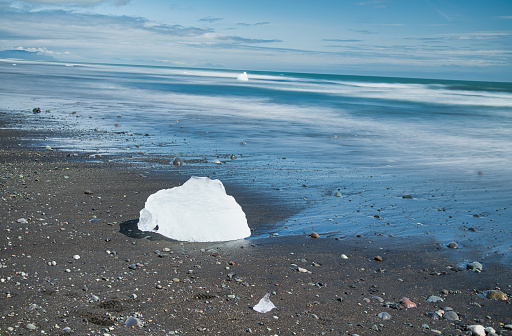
(130, 229)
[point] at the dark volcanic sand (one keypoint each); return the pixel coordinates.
(205, 289)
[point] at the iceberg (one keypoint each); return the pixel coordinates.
(265, 305)
(198, 211)
(243, 77)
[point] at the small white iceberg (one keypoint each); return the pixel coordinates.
(265, 305)
(198, 211)
(243, 77)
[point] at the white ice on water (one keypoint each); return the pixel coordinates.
(265, 305)
(243, 77)
(198, 211)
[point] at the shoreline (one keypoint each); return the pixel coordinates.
(57, 206)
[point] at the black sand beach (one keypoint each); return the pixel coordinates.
(71, 263)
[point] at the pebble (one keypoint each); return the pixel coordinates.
(434, 298)
(475, 266)
(384, 316)
(337, 194)
(377, 258)
(451, 316)
(490, 330)
(22, 221)
(477, 330)
(433, 316)
(67, 330)
(31, 326)
(343, 256)
(177, 161)
(216, 161)
(76, 257)
(133, 322)
(453, 245)
(508, 326)
(495, 295)
(408, 303)
(314, 235)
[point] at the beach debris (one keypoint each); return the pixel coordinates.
(314, 235)
(475, 266)
(36, 110)
(408, 303)
(453, 245)
(133, 321)
(198, 211)
(495, 295)
(265, 305)
(477, 329)
(177, 161)
(243, 77)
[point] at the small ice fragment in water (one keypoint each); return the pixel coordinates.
(243, 77)
(198, 211)
(265, 305)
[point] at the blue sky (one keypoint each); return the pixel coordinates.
(470, 39)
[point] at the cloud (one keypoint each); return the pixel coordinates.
(43, 51)
(85, 37)
(340, 40)
(467, 36)
(237, 39)
(374, 3)
(253, 24)
(79, 3)
(210, 19)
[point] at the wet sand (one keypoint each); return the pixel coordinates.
(73, 263)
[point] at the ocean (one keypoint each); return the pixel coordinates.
(419, 158)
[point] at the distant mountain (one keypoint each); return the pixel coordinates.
(25, 55)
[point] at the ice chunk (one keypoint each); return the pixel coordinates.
(198, 211)
(243, 77)
(265, 305)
